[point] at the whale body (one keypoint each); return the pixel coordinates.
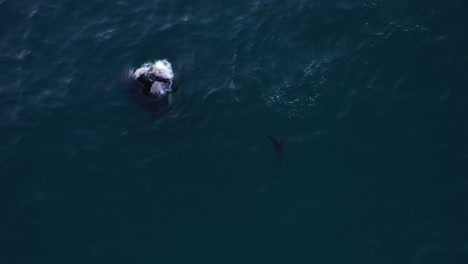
(151, 86)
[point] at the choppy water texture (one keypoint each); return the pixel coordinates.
(370, 97)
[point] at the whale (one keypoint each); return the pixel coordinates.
(151, 86)
(278, 148)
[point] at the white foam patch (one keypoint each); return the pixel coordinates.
(157, 88)
(161, 68)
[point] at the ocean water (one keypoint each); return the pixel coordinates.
(369, 96)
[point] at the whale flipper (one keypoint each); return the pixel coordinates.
(278, 148)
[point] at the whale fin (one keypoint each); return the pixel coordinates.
(278, 148)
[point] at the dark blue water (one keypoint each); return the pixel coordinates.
(370, 97)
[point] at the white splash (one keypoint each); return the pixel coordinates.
(161, 68)
(158, 88)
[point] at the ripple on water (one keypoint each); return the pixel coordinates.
(290, 95)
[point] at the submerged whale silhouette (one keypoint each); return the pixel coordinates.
(278, 148)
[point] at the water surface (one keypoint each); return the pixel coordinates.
(370, 97)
